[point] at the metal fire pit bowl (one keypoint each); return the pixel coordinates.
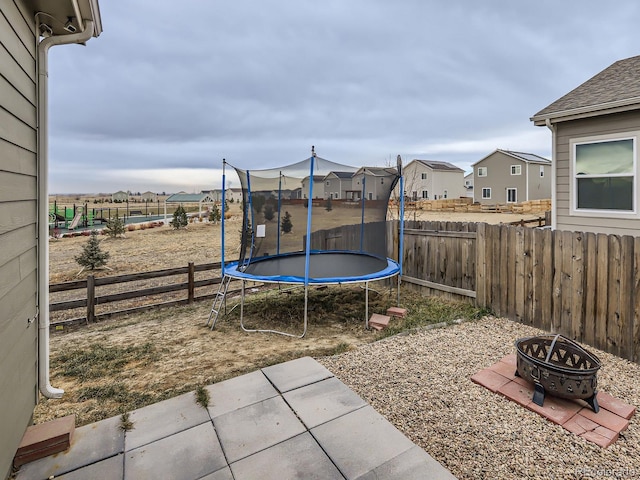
(558, 366)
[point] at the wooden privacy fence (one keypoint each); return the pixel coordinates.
(583, 285)
(91, 299)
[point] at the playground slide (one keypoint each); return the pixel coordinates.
(76, 219)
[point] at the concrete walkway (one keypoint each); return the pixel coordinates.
(294, 420)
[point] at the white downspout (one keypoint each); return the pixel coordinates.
(43, 202)
(554, 194)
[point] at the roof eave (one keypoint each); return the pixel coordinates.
(587, 111)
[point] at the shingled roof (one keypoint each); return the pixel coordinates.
(616, 88)
(438, 165)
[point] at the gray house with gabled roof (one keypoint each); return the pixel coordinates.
(337, 184)
(505, 176)
(595, 133)
(433, 180)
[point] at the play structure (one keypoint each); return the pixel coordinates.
(70, 218)
(311, 223)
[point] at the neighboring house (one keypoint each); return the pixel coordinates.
(24, 209)
(432, 180)
(120, 196)
(372, 181)
(468, 185)
(337, 184)
(318, 186)
(595, 133)
(511, 177)
(149, 197)
(230, 193)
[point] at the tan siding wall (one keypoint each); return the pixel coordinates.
(607, 124)
(18, 254)
(499, 178)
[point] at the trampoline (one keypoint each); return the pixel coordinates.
(312, 223)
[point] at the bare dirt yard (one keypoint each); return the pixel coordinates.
(123, 363)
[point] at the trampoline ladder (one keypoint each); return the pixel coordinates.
(218, 301)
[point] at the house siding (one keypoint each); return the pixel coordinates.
(436, 184)
(18, 214)
(566, 131)
(499, 178)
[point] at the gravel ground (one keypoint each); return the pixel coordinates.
(421, 383)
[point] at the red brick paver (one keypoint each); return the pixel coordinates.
(602, 428)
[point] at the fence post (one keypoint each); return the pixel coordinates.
(191, 280)
(91, 298)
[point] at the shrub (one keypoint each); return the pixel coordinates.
(115, 226)
(286, 224)
(268, 212)
(131, 228)
(179, 218)
(92, 256)
(214, 214)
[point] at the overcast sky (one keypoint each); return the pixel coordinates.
(171, 88)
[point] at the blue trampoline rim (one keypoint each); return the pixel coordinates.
(392, 269)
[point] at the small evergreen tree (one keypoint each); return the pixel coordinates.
(328, 205)
(92, 256)
(286, 224)
(214, 214)
(268, 212)
(179, 218)
(115, 226)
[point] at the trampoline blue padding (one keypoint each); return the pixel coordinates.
(325, 267)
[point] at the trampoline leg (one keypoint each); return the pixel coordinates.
(242, 305)
(366, 305)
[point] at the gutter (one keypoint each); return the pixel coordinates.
(43, 201)
(586, 111)
(554, 194)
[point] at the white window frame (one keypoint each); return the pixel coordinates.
(423, 176)
(573, 179)
(515, 190)
(482, 171)
(541, 170)
(516, 169)
(445, 194)
(425, 194)
(486, 189)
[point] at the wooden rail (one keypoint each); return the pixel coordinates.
(91, 299)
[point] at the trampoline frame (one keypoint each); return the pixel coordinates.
(233, 269)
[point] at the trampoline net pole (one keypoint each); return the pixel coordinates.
(366, 303)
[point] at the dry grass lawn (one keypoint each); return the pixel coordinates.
(124, 363)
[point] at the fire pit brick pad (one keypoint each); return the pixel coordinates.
(575, 416)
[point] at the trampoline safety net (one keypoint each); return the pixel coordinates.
(348, 210)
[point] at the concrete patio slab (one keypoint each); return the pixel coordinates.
(360, 441)
(223, 474)
(255, 437)
(296, 373)
(296, 458)
(248, 430)
(194, 452)
(323, 401)
(89, 444)
(109, 469)
(163, 419)
(239, 392)
(413, 464)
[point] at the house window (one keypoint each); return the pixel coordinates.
(604, 175)
(445, 194)
(516, 169)
(382, 181)
(512, 195)
(423, 176)
(482, 171)
(542, 170)
(486, 193)
(327, 182)
(336, 195)
(414, 196)
(425, 194)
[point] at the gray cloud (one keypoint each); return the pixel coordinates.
(173, 86)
